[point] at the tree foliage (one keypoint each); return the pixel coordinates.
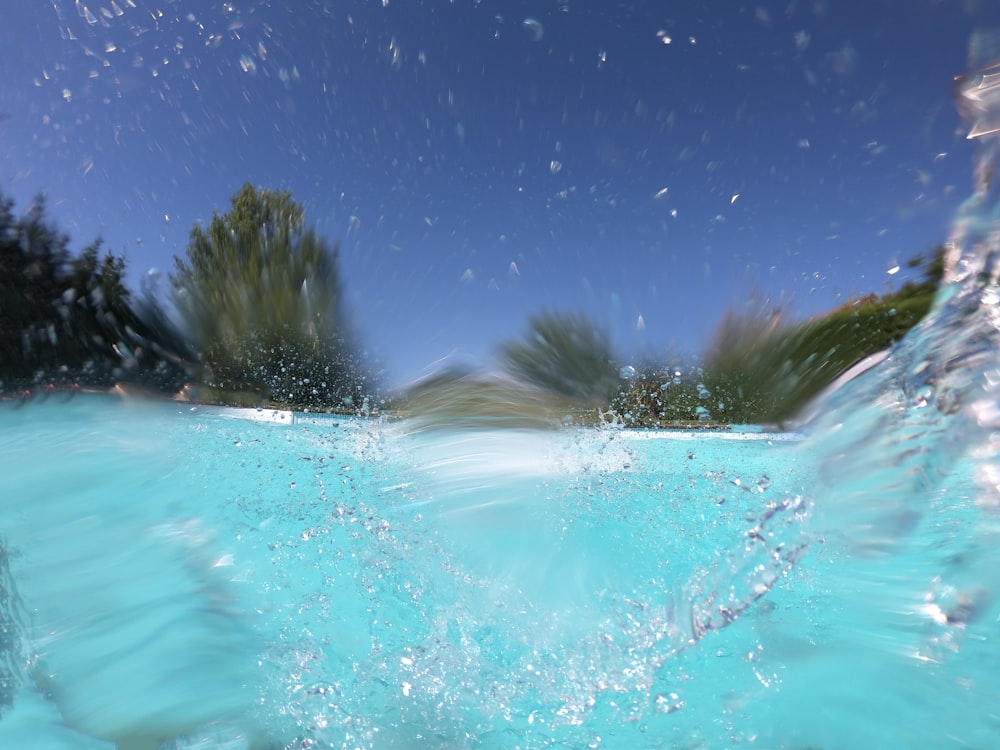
(68, 318)
(261, 297)
(770, 372)
(566, 355)
(762, 368)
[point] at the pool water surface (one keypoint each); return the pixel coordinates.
(212, 578)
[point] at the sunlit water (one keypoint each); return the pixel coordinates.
(349, 584)
(217, 580)
(190, 577)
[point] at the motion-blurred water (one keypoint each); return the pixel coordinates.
(204, 578)
(360, 584)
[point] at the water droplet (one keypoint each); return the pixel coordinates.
(533, 29)
(555, 166)
(923, 396)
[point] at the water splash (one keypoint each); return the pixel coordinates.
(901, 520)
(427, 612)
(11, 635)
(907, 491)
(935, 400)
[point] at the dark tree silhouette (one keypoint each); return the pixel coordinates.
(69, 319)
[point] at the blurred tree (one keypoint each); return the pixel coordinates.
(766, 370)
(260, 296)
(932, 267)
(566, 355)
(94, 307)
(66, 318)
(32, 257)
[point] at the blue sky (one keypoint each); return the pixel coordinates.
(646, 163)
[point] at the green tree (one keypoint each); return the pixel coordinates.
(767, 370)
(32, 258)
(261, 297)
(932, 268)
(68, 318)
(566, 355)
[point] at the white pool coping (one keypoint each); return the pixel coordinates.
(285, 417)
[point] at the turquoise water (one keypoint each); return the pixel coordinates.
(224, 579)
(184, 577)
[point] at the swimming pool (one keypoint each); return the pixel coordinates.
(219, 578)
